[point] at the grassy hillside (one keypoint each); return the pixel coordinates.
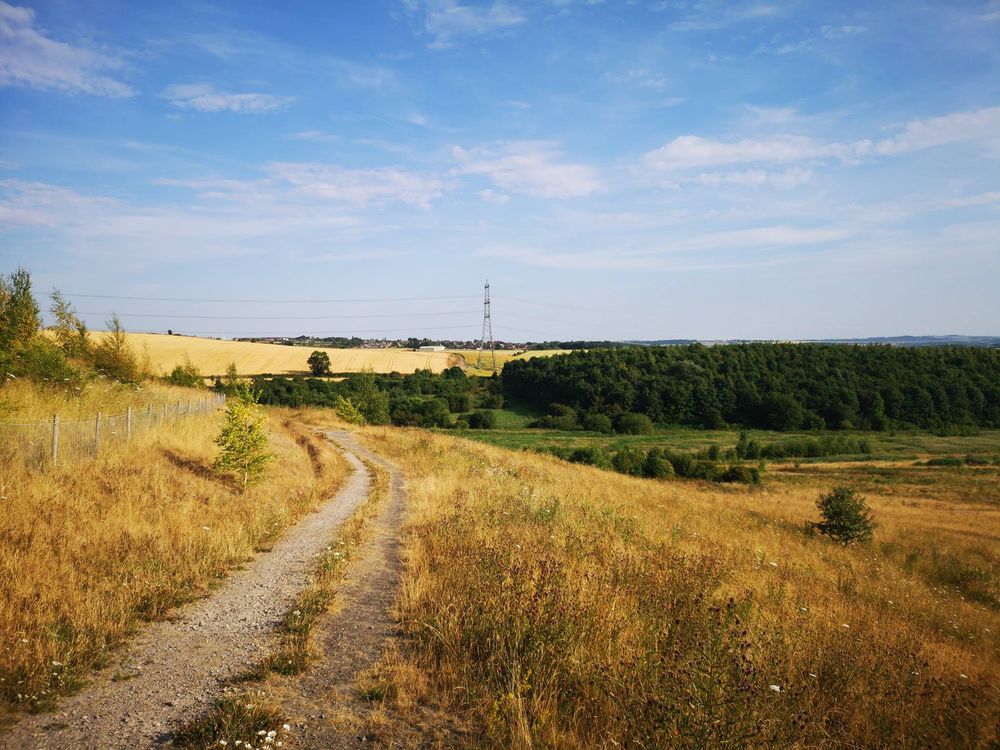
(212, 357)
(554, 605)
(89, 550)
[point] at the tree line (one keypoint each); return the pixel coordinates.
(771, 386)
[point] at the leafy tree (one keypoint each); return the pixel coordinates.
(348, 411)
(319, 363)
(243, 441)
(597, 422)
(115, 357)
(846, 516)
(19, 322)
(69, 330)
(372, 402)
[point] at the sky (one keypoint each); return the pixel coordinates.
(616, 170)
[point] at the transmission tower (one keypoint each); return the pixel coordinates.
(487, 331)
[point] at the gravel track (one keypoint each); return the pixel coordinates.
(323, 702)
(175, 669)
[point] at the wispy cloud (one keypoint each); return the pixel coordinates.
(448, 20)
(710, 16)
(692, 151)
(203, 97)
(30, 58)
(358, 186)
(639, 77)
(315, 135)
(291, 183)
(530, 167)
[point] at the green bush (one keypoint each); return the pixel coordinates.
(631, 423)
(186, 374)
(846, 516)
(657, 466)
(484, 419)
(597, 422)
(741, 474)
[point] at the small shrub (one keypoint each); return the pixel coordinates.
(631, 423)
(657, 466)
(596, 422)
(741, 474)
(846, 516)
(243, 441)
(482, 420)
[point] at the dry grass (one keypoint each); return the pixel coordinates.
(23, 400)
(89, 551)
(552, 605)
(212, 356)
(470, 356)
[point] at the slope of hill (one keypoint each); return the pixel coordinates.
(212, 356)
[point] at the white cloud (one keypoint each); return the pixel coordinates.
(692, 151)
(315, 135)
(529, 167)
(639, 77)
(30, 58)
(446, 20)
(983, 199)
(357, 186)
(492, 196)
(782, 180)
(203, 97)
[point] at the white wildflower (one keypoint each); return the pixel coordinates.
(775, 688)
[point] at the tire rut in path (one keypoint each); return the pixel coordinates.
(323, 702)
(175, 669)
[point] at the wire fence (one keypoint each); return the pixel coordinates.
(46, 443)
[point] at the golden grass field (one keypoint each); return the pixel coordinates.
(212, 356)
(93, 547)
(554, 605)
(470, 357)
(543, 604)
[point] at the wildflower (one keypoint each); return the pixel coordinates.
(845, 625)
(286, 727)
(773, 564)
(775, 688)
(206, 528)
(811, 674)
(223, 743)
(963, 676)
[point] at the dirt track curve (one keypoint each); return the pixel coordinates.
(323, 702)
(175, 669)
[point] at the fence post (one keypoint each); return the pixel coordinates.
(149, 416)
(97, 432)
(128, 423)
(55, 439)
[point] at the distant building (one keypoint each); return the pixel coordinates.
(431, 348)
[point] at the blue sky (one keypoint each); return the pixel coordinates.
(616, 169)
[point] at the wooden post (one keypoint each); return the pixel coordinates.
(149, 416)
(55, 439)
(128, 424)
(97, 432)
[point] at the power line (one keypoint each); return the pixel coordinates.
(258, 334)
(264, 301)
(275, 317)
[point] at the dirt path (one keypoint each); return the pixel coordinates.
(323, 702)
(174, 670)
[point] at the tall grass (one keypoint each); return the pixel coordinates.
(89, 551)
(561, 606)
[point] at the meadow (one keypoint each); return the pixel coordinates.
(212, 356)
(547, 604)
(90, 549)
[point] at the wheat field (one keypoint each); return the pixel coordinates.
(212, 356)
(470, 356)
